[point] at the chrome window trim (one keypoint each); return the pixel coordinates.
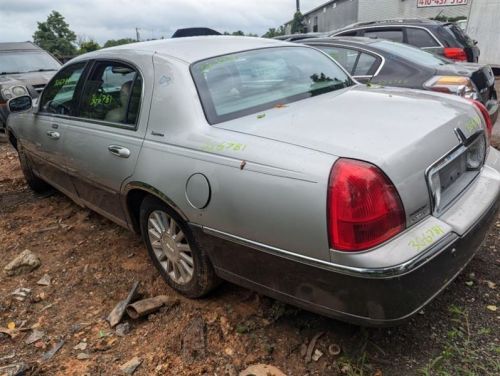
(394, 26)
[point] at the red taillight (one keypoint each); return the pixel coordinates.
(364, 208)
(486, 116)
(457, 54)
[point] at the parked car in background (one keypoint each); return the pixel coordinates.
(442, 38)
(395, 64)
(24, 69)
(300, 36)
(264, 163)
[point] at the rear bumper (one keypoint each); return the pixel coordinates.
(369, 300)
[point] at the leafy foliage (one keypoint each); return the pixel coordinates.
(88, 46)
(274, 32)
(118, 42)
(298, 23)
(55, 36)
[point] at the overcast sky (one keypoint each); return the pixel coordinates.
(102, 19)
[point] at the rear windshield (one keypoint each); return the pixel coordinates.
(459, 35)
(240, 84)
(24, 62)
(413, 54)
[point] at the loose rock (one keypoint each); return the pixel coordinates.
(21, 294)
(131, 366)
(83, 356)
(82, 346)
(122, 329)
(26, 262)
(35, 336)
(45, 280)
(262, 370)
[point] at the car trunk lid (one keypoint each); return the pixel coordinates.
(401, 131)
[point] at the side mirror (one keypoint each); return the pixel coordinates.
(20, 104)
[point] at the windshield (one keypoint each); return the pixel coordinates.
(27, 61)
(241, 84)
(413, 54)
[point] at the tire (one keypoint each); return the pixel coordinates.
(34, 182)
(169, 254)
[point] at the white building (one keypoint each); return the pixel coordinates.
(339, 13)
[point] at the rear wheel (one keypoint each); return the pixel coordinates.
(34, 182)
(174, 251)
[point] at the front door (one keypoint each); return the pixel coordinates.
(43, 140)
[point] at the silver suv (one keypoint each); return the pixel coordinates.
(263, 163)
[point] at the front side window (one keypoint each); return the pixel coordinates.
(240, 84)
(396, 35)
(59, 97)
(112, 93)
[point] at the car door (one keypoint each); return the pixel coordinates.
(104, 142)
(361, 64)
(43, 140)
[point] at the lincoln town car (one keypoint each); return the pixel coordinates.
(266, 164)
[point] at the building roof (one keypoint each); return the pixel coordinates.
(13, 46)
(196, 48)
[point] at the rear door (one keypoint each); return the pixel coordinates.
(104, 141)
(44, 139)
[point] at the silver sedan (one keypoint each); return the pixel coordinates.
(265, 164)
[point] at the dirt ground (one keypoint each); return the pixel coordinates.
(92, 263)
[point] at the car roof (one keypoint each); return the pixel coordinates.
(393, 22)
(18, 46)
(194, 49)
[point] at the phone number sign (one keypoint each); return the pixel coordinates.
(440, 3)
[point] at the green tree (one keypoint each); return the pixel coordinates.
(88, 46)
(55, 36)
(298, 23)
(118, 42)
(273, 32)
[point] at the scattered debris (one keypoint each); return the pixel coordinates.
(243, 164)
(45, 280)
(469, 283)
(35, 336)
(83, 356)
(50, 354)
(117, 313)
(311, 346)
(8, 357)
(26, 262)
(12, 333)
(194, 340)
(262, 370)
(317, 354)
(147, 306)
(131, 366)
(122, 329)
(491, 285)
(492, 308)
(21, 294)
(334, 349)
(82, 346)
(17, 369)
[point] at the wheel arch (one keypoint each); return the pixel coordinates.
(134, 194)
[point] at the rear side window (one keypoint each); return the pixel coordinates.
(459, 35)
(348, 34)
(396, 35)
(59, 97)
(364, 65)
(344, 56)
(420, 38)
(112, 93)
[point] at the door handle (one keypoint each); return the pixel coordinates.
(119, 151)
(54, 135)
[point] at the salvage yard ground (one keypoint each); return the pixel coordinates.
(92, 263)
